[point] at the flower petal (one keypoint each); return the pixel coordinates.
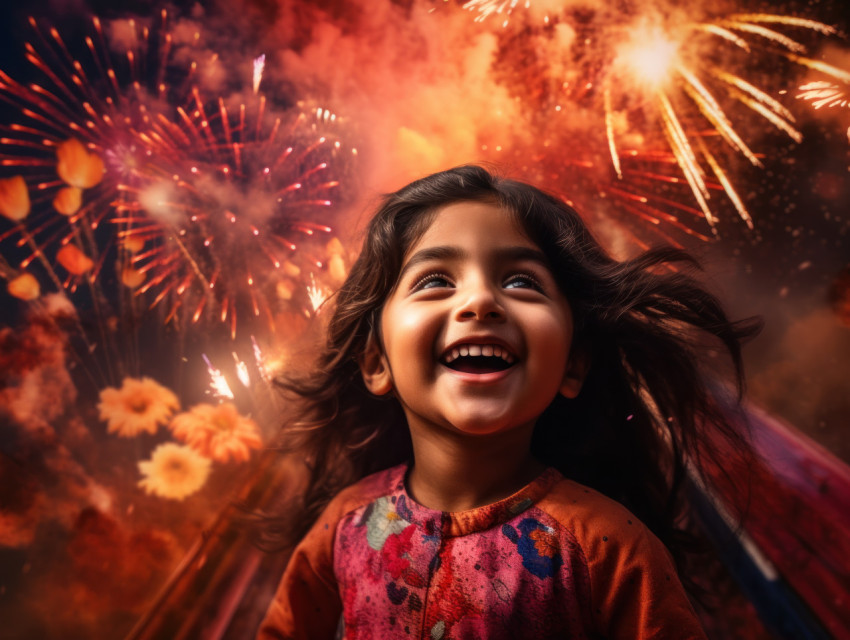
(68, 200)
(77, 166)
(74, 260)
(14, 198)
(25, 287)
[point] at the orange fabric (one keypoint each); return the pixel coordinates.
(635, 593)
(307, 603)
(635, 590)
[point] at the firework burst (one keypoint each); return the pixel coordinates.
(665, 76)
(197, 201)
(668, 102)
(215, 225)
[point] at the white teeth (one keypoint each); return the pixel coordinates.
(488, 350)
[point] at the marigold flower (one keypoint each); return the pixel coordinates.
(174, 471)
(77, 166)
(14, 198)
(217, 431)
(139, 405)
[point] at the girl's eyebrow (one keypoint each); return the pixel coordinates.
(448, 252)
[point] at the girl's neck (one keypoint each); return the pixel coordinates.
(457, 472)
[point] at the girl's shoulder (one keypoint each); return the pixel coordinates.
(599, 525)
(365, 491)
(634, 587)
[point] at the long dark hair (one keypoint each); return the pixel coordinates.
(645, 410)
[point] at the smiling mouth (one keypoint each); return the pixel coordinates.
(478, 358)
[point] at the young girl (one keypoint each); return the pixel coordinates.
(525, 405)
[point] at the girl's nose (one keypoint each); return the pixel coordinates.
(481, 304)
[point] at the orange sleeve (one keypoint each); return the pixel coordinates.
(307, 603)
(635, 592)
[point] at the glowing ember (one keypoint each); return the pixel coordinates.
(218, 383)
(259, 65)
(242, 371)
(650, 56)
(316, 293)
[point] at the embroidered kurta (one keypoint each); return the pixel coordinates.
(554, 560)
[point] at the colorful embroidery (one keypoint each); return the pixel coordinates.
(404, 570)
(382, 522)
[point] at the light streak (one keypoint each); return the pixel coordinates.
(242, 371)
(317, 294)
(218, 383)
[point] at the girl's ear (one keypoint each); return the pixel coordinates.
(375, 369)
(576, 371)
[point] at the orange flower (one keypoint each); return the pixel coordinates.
(25, 287)
(218, 432)
(74, 260)
(139, 405)
(77, 166)
(14, 198)
(545, 543)
(68, 200)
(174, 471)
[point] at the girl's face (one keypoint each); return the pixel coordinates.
(476, 335)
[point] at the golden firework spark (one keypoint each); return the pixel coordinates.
(824, 94)
(658, 66)
(218, 383)
(672, 92)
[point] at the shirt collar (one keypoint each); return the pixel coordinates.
(447, 524)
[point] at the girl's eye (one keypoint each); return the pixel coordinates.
(522, 281)
(432, 281)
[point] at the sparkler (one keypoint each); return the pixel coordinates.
(317, 293)
(218, 383)
(199, 199)
(259, 66)
(242, 371)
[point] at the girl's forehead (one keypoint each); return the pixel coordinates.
(471, 223)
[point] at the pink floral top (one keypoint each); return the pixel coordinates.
(554, 560)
